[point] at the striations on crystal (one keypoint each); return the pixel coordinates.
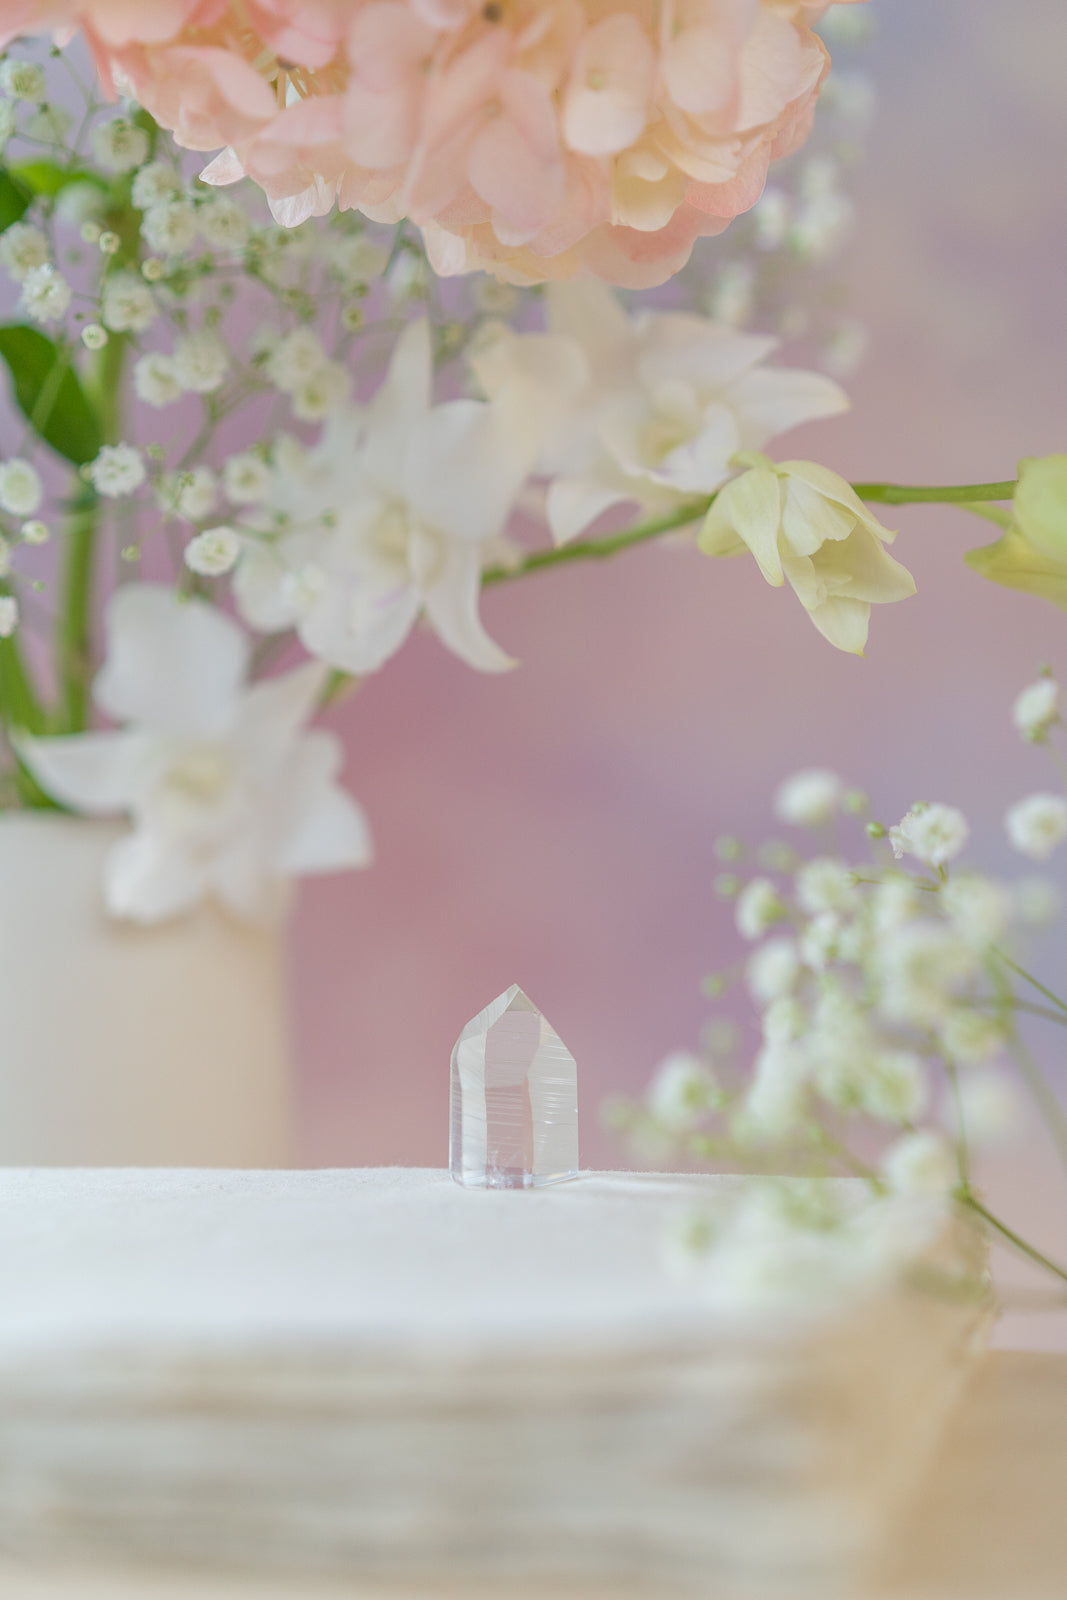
(513, 1100)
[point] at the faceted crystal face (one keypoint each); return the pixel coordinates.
(514, 1099)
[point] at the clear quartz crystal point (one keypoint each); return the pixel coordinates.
(514, 1099)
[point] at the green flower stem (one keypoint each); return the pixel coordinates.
(966, 495)
(1032, 981)
(1041, 1091)
(900, 494)
(963, 1154)
(966, 1198)
(75, 620)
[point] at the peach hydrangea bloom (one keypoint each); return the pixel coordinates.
(536, 139)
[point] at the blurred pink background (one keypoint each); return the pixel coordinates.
(556, 827)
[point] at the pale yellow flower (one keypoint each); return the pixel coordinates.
(804, 523)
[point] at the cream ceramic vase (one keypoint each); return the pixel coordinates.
(130, 1046)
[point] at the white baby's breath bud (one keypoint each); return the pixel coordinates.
(155, 380)
(213, 552)
(990, 1105)
(201, 361)
(357, 260)
(777, 1098)
(808, 799)
(894, 902)
(21, 491)
(170, 227)
(1037, 825)
(1037, 902)
(968, 1036)
(921, 968)
(352, 317)
(323, 392)
(126, 304)
(935, 834)
(295, 359)
(784, 1020)
(897, 1088)
(820, 941)
(758, 908)
(772, 970)
(94, 336)
(109, 243)
(22, 80)
(190, 494)
(682, 1092)
(1036, 709)
(224, 224)
(34, 532)
(247, 479)
(978, 908)
(155, 184)
(119, 145)
(23, 247)
(45, 294)
(118, 470)
(152, 269)
(920, 1163)
(9, 615)
(826, 884)
(49, 124)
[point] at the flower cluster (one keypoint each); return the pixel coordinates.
(887, 1010)
(536, 139)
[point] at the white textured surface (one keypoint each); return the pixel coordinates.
(379, 1375)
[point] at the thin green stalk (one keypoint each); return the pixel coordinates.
(963, 1154)
(902, 494)
(1028, 977)
(966, 1198)
(1043, 1093)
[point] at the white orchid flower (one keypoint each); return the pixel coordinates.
(804, 523)
(228, 795)
(666, 399)
(391, 515)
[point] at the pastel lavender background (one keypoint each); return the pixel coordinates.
(555, 827)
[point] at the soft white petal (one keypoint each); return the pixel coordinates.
(870, 572)
(95, 773)
(273, 712)
(361, 619)
(771, 400)
(834, 487)
(534, 382)
(451, 605)
(589, 313)
(809, 519)
(147, 878)
(173, 665)
(462, 472)
(679, 346)
(264, 598)
(844, 622)
(403, 398)
(750, 508)
(321, 828)
(572, 504)
(702, 464)
(242, 879)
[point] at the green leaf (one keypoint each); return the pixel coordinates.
(14, 198)
(49, 393)
(45, 177)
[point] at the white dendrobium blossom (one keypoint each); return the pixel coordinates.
(23, 247)
(651, 407)
(127, 304)
(1037, 825)
(229, 796)
(920, 1163)
(809, 799)
(21, 491)
(682, 1091)
(935, 834)
(806, 524)
(155, 380)
(1036, 709)
(394, 512)
(119, 145)
(213, 552)
(759, 907)
(9, 615)
(201, 361)
(118, 469)
(45, 294)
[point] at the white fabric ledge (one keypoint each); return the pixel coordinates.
(379, 1374)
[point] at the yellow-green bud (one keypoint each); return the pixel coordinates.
(1041, 503)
